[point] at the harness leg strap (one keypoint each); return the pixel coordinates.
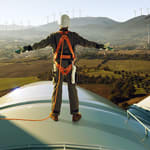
(73, 74)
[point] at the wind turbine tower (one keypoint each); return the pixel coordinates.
(147, 11)
(148, 30)
(47, 18)
(141, 11)
(80, 13)
(54, 17)
(134, 12)
(73, 12)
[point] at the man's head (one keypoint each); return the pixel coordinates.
(64, 21)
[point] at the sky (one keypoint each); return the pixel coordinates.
(37, 12)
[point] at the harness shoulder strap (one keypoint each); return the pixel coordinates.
(64, 37)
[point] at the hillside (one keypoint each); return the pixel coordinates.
(13, 27)
(101, 29)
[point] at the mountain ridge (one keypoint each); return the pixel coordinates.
(100, 29)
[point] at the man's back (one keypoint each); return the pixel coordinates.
(74, 38)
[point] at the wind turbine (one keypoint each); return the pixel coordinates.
(134, 12)
(147, 20)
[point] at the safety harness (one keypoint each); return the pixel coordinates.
(71, 56)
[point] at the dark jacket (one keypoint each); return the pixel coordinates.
(74, 38)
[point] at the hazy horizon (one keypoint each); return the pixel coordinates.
(38, 12)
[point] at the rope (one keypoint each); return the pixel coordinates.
(25, 119)
(58, 75)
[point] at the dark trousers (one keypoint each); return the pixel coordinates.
(57, 94)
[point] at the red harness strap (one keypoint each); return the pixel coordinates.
(63, 70)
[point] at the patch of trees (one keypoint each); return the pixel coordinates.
(123, 89)
(85, 79)
(129, 85)
(114, 56)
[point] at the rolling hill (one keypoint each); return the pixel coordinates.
(101, 29)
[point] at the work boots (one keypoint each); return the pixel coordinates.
(53, 117)
(76, 117)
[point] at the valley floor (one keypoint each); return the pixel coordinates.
(97, 75)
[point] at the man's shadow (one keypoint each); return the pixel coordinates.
(11, 135)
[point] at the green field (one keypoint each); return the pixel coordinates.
(137, 66)
(19, 73)
(118, 65)
(89, 62)
(10, 83)
(129, 65)
(103, 73)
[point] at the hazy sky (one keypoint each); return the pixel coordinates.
(39, 11)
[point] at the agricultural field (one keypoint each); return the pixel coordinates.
(90, 63)
(129, 65)
(9, 83)
(116, 73)
(102, 76)
(25, 68)
(109, 68)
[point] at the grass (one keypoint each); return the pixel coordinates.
(129, 65)
(5, 64)
(19, 74)
(89, 62)
(10, 83)
(103, 73)
(140, 91)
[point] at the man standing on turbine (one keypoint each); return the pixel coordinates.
(63, 43)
